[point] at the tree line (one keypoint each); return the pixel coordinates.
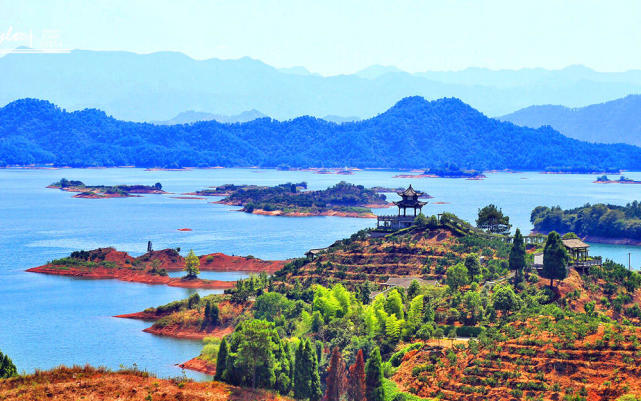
(37, 132)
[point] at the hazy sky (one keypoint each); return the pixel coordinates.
(343, 36)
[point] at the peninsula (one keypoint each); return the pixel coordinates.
(105, 191)
(292, 200)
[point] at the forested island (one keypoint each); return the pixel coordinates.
(291, 199)
(105, 191)
(451, 170)
(622, 180)
(597, 223)
(36, 132)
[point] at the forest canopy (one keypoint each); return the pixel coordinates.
(414, 133)
(600, 220)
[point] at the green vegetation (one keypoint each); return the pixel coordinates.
(192, 264)
(7, 368)
(304, 332)
(622, 179)
(492, 219)
(289, 198)
(122, 190)
(599, 220)
(38, 132)
(451, 170)
(555, 259)
(517, 260)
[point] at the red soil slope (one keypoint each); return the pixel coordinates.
(108, 263)
(87, 383)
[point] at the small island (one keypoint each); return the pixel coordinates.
(227, 189)
(153, 267)
(447, 170)
(292, 200)
(622, 180)
(105, 191)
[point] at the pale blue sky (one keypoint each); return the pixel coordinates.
(332, 37)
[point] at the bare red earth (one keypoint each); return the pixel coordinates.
(128, 268)
(199, 365)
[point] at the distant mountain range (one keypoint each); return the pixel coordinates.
(414, 133)
(155, 87)
(617, 121)
(190, 116)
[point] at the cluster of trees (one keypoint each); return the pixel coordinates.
(599, 220)
(604, 178)
(492, 219)
(255, 355)
(452, 170)
(212, 314)
(289, 197)
(7, 368)
(37, 132)
(65, 183)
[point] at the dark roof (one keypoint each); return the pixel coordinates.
(410, 192)
(574, 243)
(410, 203)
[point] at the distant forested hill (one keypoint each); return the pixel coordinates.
(617, 121)
(414, 133)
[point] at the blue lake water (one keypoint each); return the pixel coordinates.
(48, 320)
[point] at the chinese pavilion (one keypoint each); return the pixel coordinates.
(403, 219)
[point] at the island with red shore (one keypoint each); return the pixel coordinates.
(152, 267)
(105, 191)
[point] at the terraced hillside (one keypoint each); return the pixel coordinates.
(541, 359)
(417, 252)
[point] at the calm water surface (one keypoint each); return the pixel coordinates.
(47, 320)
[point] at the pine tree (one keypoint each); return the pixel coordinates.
(356, 384)
(207, 313)
(301, 379)
(517, 256)
(473, 265)
(214, 315)
(315, 390)
(413, 290)
(374, 377)
(221, 360)
(555, 259)
(317, 321)
(335, 381)
(7, 368)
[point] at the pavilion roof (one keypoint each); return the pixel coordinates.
(409, 192)
(574, 243)
(410, 203)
